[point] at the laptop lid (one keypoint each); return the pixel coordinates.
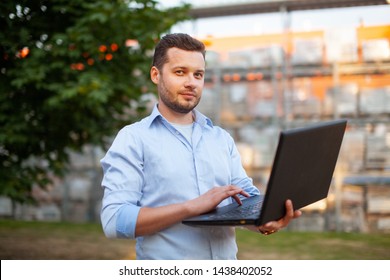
(303, 167)
(302, 171)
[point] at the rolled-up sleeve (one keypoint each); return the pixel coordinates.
(122, 183)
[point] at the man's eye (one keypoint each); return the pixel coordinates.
(199, 75)
(179, 72)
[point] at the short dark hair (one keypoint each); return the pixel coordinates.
(176, 40)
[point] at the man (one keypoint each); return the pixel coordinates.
(175, 164)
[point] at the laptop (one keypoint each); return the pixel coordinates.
(302, 171)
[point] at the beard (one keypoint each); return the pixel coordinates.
(173, 102)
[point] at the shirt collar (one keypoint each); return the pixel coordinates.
(200, 119)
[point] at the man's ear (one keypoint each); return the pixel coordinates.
(154, 74)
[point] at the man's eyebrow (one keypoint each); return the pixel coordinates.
(185, 67)
(179, 67)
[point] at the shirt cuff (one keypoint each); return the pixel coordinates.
(126, 221)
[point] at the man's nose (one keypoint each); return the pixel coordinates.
(190, 81)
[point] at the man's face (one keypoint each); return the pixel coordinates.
(180, 83)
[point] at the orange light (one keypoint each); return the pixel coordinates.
(259, 76)
(77, 66)
(114, 47)
(207, 42)
(109, 57)
(130, 43)
(24, 52)
(80, 66)
(226, 78)
(90, 61)
(102, 48)
(251, 76)
(236, 77)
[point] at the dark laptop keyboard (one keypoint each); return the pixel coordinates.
(243, 211)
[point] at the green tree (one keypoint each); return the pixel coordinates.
(69, 73)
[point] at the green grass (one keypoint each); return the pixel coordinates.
(56, 241)
(314, 246)
(40, 240)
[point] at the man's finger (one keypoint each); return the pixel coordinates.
(237, 199)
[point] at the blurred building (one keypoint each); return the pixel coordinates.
(258, 85)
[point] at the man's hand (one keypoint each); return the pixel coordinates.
(210, 200)
(274, 226)
(151, 220)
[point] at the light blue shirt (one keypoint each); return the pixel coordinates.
(151, 164)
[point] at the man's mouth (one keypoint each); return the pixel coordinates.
(188, 94)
